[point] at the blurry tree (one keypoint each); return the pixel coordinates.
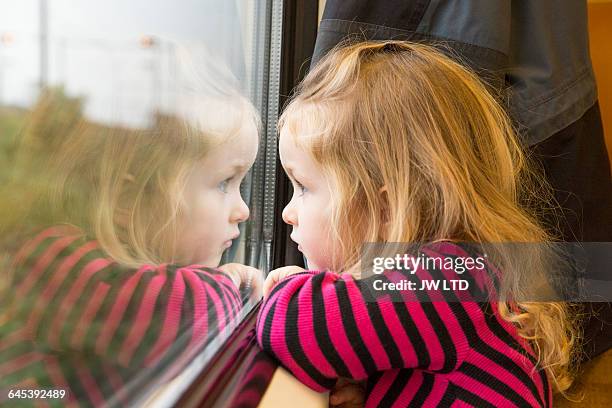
(29, 140)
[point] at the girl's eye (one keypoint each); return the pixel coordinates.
(301, 187)
(224, 184)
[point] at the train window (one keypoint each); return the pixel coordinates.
(138, 157)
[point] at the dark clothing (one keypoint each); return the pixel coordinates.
(536, 51)
(535, 56)
(576, 163)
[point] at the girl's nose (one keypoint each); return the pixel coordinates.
(241, 212)
(289, 214)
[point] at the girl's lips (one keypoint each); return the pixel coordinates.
(228, 243)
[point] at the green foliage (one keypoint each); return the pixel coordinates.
(28, 141)
(12, 121)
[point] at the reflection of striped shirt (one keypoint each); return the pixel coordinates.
(320, 326)
(79, 321)
(254, 383)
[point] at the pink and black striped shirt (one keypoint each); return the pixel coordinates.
(75, 319)
(427, 351)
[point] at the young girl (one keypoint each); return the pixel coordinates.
(394, 142)
(122, 282)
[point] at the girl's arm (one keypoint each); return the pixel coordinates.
(178, 309)
(71, 298)
(322, 326)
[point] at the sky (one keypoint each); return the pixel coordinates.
(95, 51)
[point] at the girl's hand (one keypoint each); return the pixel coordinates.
(277, 275)
(347, 394)
(245, 277)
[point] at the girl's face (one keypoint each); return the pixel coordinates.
(214, 207)
(309, 211)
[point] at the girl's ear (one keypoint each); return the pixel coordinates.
(384, 212)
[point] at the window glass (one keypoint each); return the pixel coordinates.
(135, 187)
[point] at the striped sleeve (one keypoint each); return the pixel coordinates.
(322, 326)
(73, 298)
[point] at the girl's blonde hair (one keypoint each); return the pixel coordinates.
(122, 186)
(417, 150)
